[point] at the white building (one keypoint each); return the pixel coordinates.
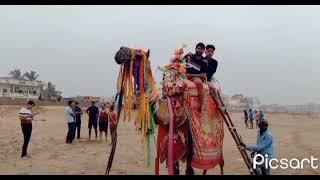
(14, 88)
(238, 102)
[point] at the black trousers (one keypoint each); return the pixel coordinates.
(26, 130)
(261, 169)
(71, 133)
(78, 128)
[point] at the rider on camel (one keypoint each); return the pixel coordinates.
(196, 71)
(210, 64)
(210, 67)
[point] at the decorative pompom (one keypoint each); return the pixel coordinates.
(184, 45)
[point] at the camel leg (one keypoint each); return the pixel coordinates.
(221, 164)
(189, 170)
(177, 170)
(204, 172)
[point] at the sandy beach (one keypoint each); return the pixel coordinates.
(297, 136)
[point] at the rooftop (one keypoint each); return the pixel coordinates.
(10, 80)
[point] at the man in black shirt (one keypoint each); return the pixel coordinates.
(93, 113)
(210, 67)
(210, 64)
(195, 61)
(195, 70)
(78, 113)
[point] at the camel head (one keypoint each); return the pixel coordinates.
(124, 55)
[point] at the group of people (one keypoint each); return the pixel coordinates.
(253, 116)
(104, 117)
(73, 114)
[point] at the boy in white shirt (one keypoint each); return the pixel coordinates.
(70, 116)
(26, 116)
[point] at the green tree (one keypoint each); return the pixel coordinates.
(31, 76)
(16, 74)
(50, 91)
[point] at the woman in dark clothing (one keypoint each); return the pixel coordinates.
(103, 121)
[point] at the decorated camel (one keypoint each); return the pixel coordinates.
(185, 132)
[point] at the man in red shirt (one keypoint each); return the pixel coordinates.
(113, 122)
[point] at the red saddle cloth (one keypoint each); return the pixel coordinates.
(179, 146)
(206, 128)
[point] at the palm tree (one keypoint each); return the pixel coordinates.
(51, 91)
(16, 74)
(31, 76)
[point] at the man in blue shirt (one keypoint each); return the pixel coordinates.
(264, 148)
(251, 118)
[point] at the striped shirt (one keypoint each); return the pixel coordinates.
(25, 111)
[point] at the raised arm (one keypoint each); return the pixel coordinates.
(187, 57)
(79, 111)
(262, 145)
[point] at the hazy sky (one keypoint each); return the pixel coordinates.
(271, 52)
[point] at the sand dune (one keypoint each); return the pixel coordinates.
(296, 136)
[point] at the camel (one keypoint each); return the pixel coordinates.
(184, 132)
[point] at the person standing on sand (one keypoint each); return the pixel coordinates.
(103, 121)
(251, 118)
(256, 117)
(78, 113)
(113, 123)
(93, 113)
(26, 116)
(261, 116)
(245, 117)
(70, 116)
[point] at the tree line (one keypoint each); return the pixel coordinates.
(48, 90)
